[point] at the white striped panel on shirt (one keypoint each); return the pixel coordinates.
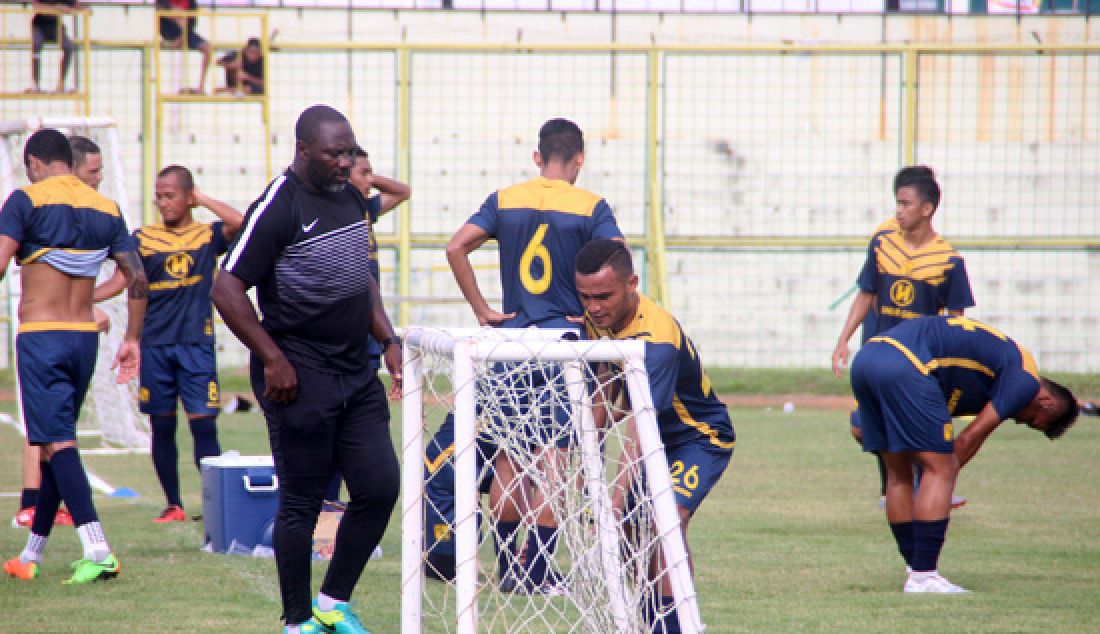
(242, 241)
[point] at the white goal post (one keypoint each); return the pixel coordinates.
(112, 410)
(610, 495)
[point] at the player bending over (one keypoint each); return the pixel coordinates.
(694, 425)
(61, 230)
(909, 382)
(910, 271)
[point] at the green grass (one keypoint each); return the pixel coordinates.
(792, 539)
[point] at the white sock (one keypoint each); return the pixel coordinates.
(36, 545)
(918, 575)
(326, 603)
(94, 541)
(292, 629)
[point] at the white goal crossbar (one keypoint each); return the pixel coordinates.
(467, 347)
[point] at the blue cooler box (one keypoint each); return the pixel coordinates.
(240, 495)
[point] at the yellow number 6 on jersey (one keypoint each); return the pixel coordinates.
(536, 250)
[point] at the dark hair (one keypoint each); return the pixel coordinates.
(560, 139)
(48, 145)
(309, 122)
(183, 175)
(82, 146)
(1058, 426)
(360, 152)
(252, 41)
(921, 178)
(604, 252)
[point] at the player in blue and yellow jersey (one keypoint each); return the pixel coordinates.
(177, 344)
(910, 381)
(694, 425)
(539, 225)
(910, 271)
(61, 231)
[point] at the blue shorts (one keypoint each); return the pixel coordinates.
(533, 402)
(54, 367)
(853, 415)
(900, 408)
(188, 371)
(694, 468)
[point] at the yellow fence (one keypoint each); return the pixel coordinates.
(748, 177)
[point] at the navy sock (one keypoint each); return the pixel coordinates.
(667, 621)
(49, 499)
(927, 543)
(166, 456)
(332, 491)
(204, 431)
(72, 482)
(28, 498)
(506, 548)
(541, 544)
(881, 473)
(903, 535)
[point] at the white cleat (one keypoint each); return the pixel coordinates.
(931, 582)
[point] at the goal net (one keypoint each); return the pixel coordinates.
(574, 421)
(111, 413)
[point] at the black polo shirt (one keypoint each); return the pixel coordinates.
(308, 255)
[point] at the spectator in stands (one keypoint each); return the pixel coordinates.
(244, 69)
(173, 28)
(47, 27)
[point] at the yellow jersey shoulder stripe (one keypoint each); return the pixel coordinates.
(653, 324)
(70, 191)
(160, 239)
(544, 194)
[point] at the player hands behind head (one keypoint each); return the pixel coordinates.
(909, 382)
(180, 364)
(694, 425)
(540, 225)
(305, 249)
(910, 271)
(61, 231)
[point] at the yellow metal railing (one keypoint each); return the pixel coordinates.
(905, 78)
(80, 95)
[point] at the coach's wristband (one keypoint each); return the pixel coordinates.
(390, 340)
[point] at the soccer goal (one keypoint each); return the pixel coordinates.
(575, 421)
(111, 412)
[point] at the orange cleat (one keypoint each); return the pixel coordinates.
(63, 518)
(24, 518)
(25, 570)
(171, 514)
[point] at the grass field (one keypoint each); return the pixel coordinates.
(792, 539)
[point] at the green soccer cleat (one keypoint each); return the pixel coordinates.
(86, 570)
(340, 620)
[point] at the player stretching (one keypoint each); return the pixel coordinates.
(177, 345)
(62, 230)
(694, 425)
(540, 226)
(909, 382)
(910, 272)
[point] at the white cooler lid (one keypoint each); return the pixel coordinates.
(234, 459)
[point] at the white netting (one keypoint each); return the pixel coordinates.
(557, 414)
(112, 412)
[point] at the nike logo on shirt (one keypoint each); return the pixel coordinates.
(309, 227)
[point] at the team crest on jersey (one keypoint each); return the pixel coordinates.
(902, 293)
(178, 265)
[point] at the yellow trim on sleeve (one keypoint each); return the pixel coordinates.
(434, 465)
